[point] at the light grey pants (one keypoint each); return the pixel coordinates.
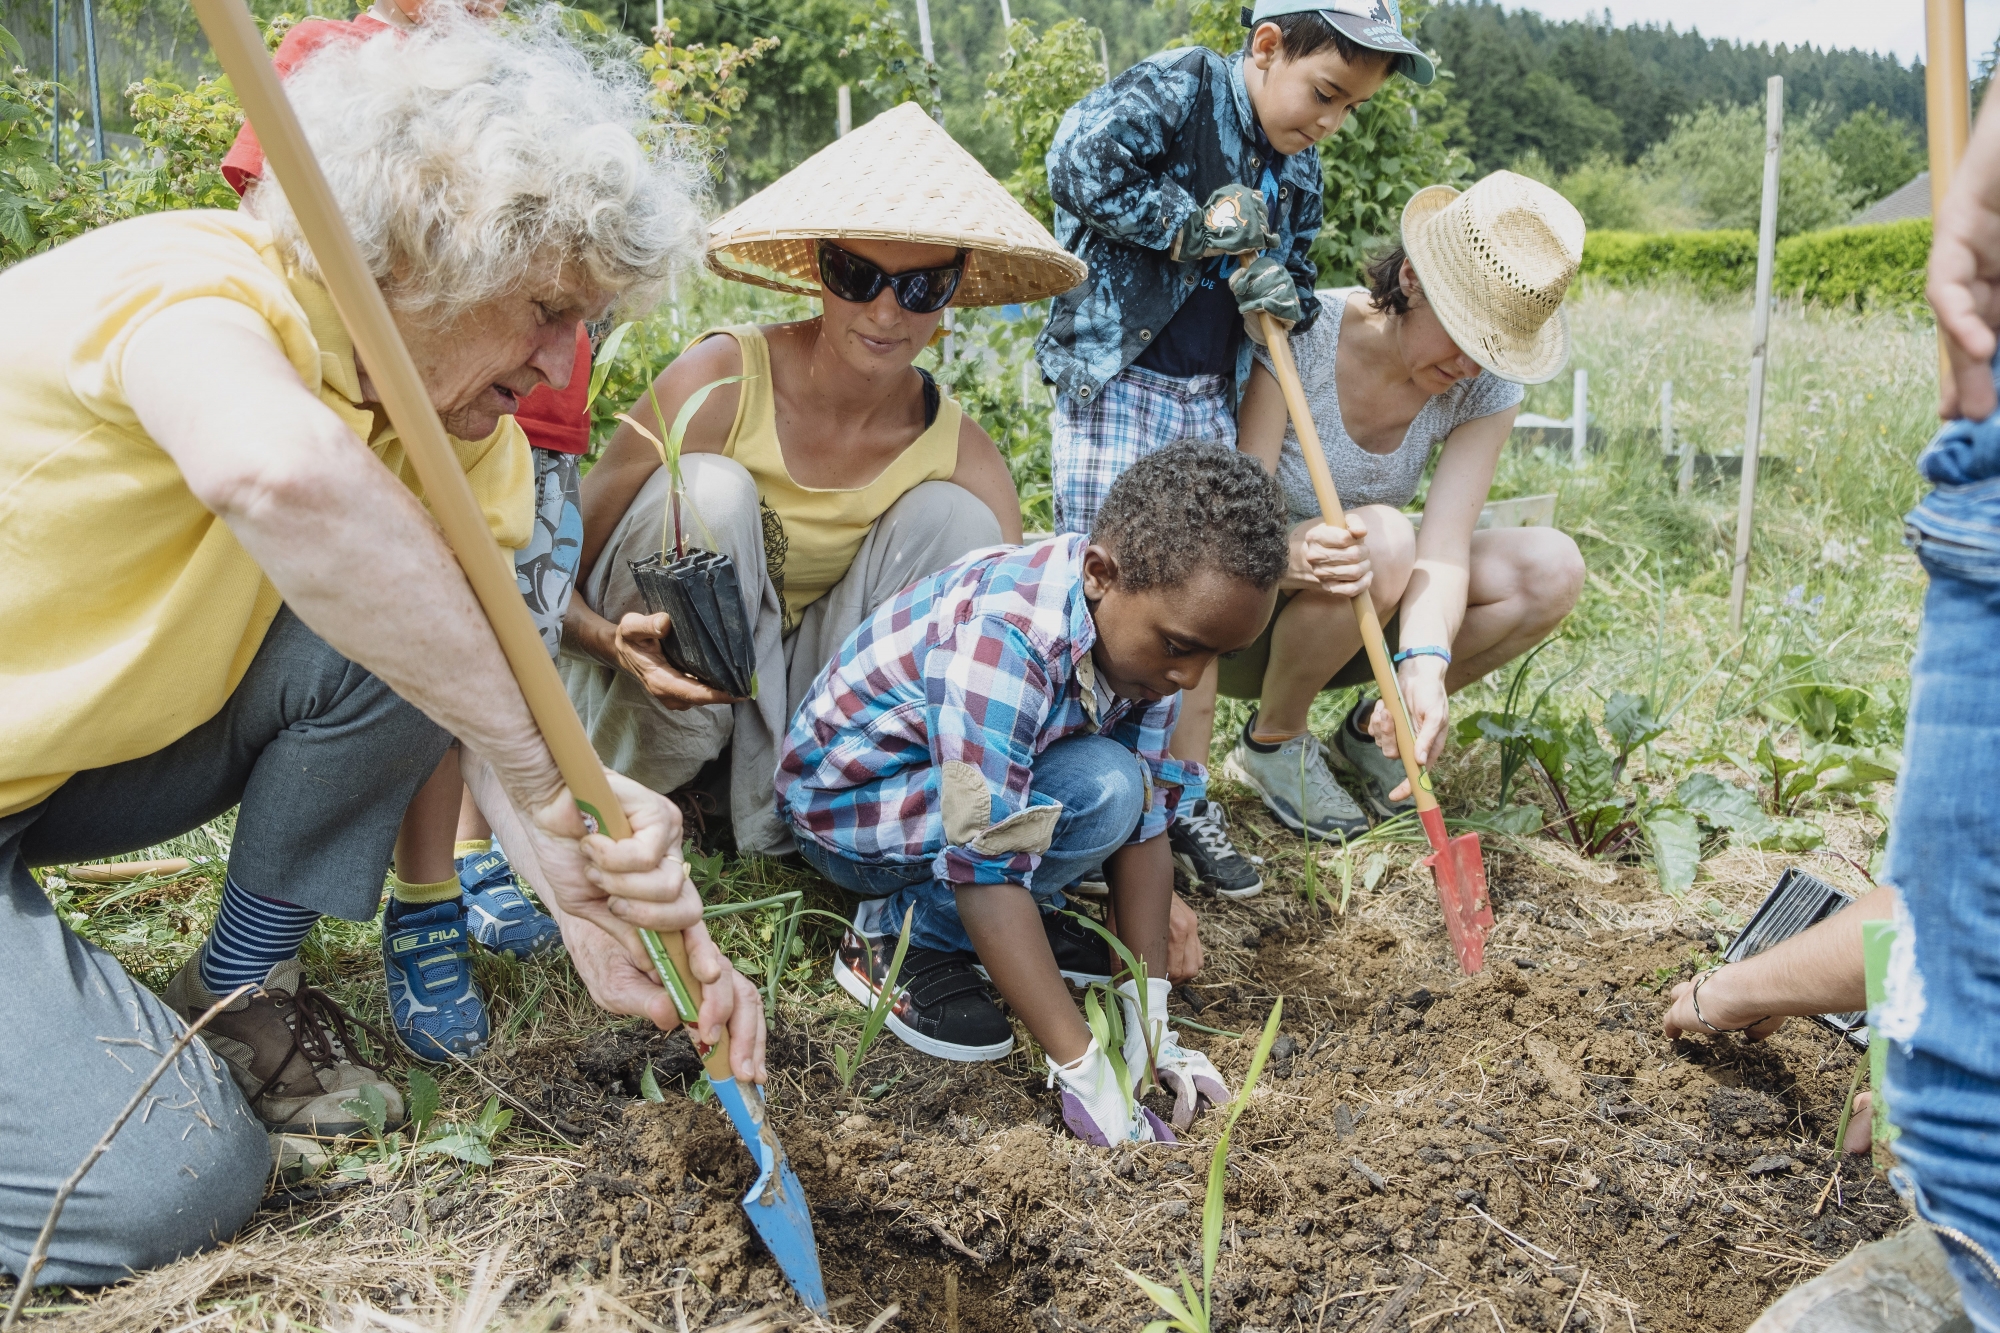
(932, 525)
(323, 759)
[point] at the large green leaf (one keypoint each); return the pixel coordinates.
(1724, 805)
(1676, 840)
(1630, 722)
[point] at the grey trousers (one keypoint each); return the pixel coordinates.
(932, 525)
(323, 758)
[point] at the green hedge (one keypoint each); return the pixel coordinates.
(1715, 262)
(1875, 266)
(1881, 265)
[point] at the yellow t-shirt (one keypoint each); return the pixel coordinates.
(128, 612)
(820, 529)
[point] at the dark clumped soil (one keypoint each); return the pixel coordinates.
(1522, 1149)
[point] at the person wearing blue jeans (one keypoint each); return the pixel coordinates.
(1943, 992)
(999, 730)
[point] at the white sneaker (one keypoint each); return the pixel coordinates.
(1297, 786)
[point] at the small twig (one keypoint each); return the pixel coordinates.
(40, 1254)
(951, 1242)
(880, 1321)
(1517, 1239)
(1574, 1297)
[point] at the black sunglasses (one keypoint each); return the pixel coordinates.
(920, 291)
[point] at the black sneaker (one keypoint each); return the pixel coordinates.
(1081, 953)
(1199, 837)
(943, 1007)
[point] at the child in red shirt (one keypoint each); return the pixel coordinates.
(435, 896)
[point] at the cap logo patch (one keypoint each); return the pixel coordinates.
(1367, 9)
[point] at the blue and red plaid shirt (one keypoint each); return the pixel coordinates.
(986, 663)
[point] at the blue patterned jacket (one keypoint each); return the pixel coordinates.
(1128, 165)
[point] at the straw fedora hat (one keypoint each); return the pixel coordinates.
(900, 177)
(1495, 262)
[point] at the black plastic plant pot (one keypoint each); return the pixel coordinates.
(709, 638)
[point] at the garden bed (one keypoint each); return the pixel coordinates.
(1424, 1152)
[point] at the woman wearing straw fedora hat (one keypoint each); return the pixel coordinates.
(1430, 355)
(833, 473)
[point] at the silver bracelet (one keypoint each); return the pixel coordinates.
(1701, 1018)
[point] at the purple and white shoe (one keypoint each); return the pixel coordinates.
(1097, 1108)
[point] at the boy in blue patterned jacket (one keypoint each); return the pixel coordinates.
(1161, 179)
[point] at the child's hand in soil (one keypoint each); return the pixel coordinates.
(1183, 941)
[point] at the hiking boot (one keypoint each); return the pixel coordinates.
(942, 1007)
(435, 1006)
(1199, 837)
(1082, 956)
(1297, 786)
(1355, 752)
(500, 914)
(291, 1050)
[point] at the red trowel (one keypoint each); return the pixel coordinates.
(1455, 863)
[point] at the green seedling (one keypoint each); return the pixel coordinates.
(600, 366)
(1187, 1310)
(848, 1064)
(390, 1151)
(649, 1084)
(670, 447)
(1112, 1039)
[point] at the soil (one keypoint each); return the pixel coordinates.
(1425, 1151)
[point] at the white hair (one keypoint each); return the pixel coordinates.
(467, 153)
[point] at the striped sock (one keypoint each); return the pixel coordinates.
(251, 936)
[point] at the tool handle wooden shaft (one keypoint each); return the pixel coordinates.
(378, 343)
(1277, 341)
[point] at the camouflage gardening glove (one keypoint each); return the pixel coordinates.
(1265, 287)
(1232, 222)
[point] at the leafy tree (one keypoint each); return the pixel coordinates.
(1714, 160)
(190, 129)
(1645, 75)
(696, 89)
(1039, 79)
(1876, 153)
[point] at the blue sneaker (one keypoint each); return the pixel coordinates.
(502, 918)
(437, 1010)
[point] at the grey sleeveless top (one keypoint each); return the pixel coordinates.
(1363, 478)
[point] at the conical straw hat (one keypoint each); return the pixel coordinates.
(1495, 263)
(900, 177)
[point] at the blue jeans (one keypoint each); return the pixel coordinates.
(1943, 1017)
(1101, 788)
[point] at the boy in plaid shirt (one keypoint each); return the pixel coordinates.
(999, 731)
(1162, 179)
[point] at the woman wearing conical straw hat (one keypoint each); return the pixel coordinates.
(834, 473)
(1429, 357)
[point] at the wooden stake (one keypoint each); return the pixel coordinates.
(1579, 418)
(1760, 336)
(1947, 107)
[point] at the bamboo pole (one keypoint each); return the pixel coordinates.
(379, 345)
(55, 82)
(1948, 110)
(90, 66)
(843, 112)
(1760, 336)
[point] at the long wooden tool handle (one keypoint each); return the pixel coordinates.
(1277, 341)
(237, 44)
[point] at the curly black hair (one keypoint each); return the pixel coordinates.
(1195, 504)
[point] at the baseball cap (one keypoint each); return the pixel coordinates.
(1376, 24)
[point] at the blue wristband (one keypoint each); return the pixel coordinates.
(1423, 650)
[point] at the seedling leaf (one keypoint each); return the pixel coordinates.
(424, 1101)
(649, 1084)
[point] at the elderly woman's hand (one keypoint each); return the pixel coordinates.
(637, 644)
(604, 890)
(1329, 558)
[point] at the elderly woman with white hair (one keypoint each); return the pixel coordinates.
(223, 591)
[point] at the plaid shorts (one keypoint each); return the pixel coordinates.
(1137, 412)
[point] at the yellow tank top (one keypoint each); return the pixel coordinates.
(811, 534)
